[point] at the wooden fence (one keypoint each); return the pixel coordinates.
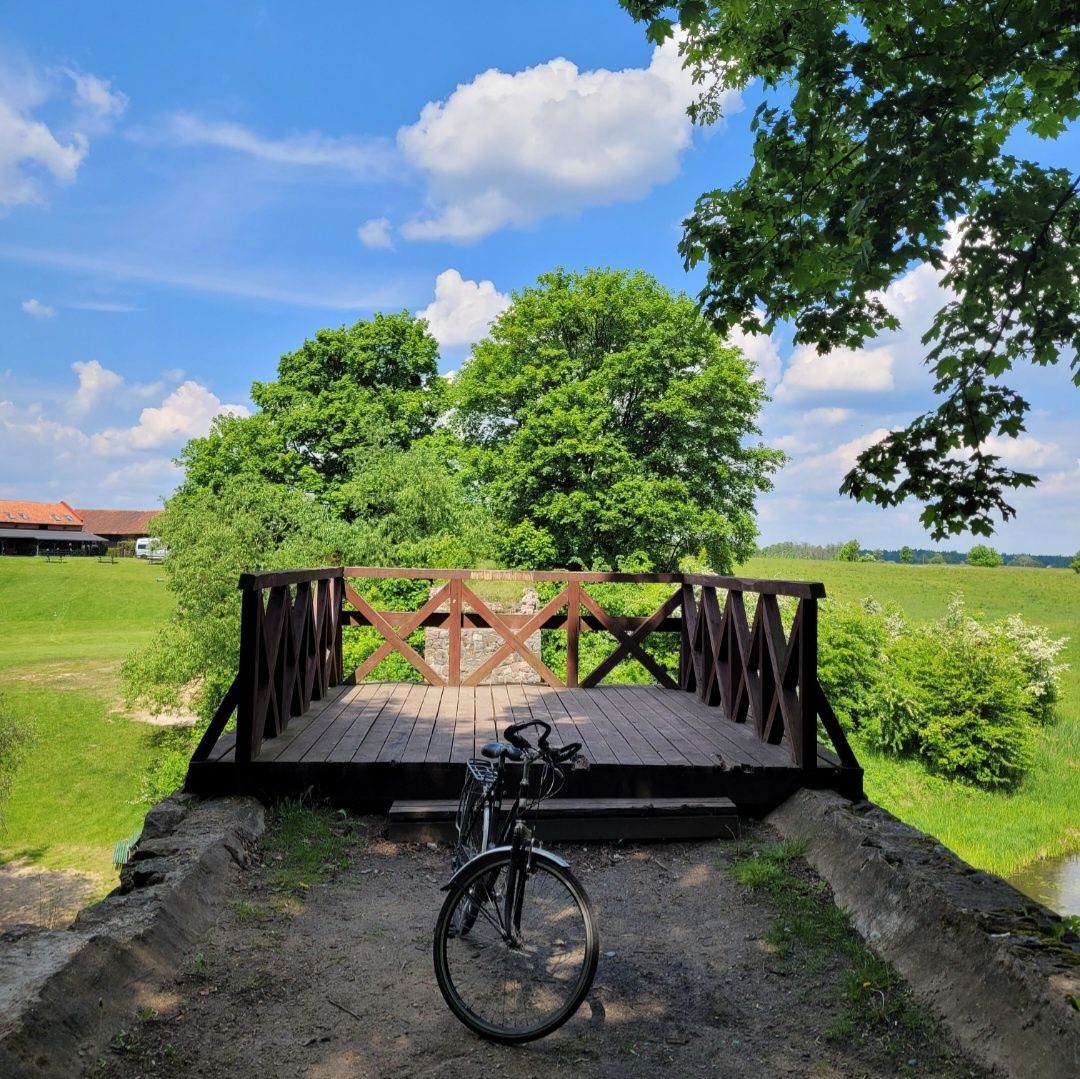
(748, 664)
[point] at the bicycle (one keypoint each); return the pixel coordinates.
(516, 943)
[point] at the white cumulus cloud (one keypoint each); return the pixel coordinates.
(1026, 452)
(842, 370)
(37, 309)
(830, 467)
(375, 233)
(509, 149)
(186, 413)
(826, 417)
(95, 382)
(761, 350)
(462, 310)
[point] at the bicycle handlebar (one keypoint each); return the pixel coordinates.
(514, 738)
(558, 756)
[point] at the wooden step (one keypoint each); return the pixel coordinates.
(568, 820)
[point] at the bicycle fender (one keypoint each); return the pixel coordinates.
(496, 853)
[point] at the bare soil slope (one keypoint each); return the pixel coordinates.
(339, 983)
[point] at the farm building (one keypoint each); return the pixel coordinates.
(117, 525)
(32, 528)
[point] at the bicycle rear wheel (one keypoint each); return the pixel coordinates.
(516, 987)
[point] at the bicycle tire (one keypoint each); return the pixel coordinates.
(516, 993)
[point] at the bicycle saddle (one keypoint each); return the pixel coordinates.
(494, 750)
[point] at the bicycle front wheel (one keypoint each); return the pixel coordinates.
(510, 984)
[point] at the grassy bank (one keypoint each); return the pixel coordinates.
(999, 832)
(65, 628)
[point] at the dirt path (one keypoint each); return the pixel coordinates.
(341, 984)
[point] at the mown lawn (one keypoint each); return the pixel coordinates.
(999, 832)
(65, 629)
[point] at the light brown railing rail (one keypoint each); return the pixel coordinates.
(753, 668)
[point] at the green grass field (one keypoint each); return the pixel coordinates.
(999, 832)
(65, 628)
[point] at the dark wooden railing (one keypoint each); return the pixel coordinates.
(753, 668)
(290, 655)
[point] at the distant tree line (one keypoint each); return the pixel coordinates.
(830, 552)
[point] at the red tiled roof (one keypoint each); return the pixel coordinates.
(119, 522)
(49, 514)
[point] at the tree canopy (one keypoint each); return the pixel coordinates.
(885, 126)
(344, 395)
(609, 424)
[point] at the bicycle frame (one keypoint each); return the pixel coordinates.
(513, 835)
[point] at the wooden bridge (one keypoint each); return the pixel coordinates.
(736, 711)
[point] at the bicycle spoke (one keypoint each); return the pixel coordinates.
(539, 977)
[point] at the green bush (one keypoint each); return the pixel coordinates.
(852, 642)
(957, 699)
(358, 642)
(963, 697)
(981, 555)
(595, 646)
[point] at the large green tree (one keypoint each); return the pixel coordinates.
(883, 124)
(609, 424)
(345, 396)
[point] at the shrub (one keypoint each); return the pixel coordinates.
(848, 552)
(981, 555)
(1035, 651)
(963, 697)
(852, 641)
(957, 700)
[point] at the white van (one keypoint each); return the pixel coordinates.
(152, 548)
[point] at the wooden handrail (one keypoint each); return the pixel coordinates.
(290, 650)
(748, 663)
(798, 589)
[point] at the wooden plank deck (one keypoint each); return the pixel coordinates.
(370, 744)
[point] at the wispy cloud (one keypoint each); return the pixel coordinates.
(369, 157)
(96, 97)
(375, 233)
(25, 144)
(196, 280)
(95, 305)
(95, 382)
(37, 309)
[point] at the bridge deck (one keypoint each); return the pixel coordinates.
(373, 743)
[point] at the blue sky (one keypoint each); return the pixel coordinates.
(188, 192)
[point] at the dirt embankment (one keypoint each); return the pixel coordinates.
(339, 983)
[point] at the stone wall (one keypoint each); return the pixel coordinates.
(478, 645)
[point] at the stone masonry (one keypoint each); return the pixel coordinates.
(477, 645)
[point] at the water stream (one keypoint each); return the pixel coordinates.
(1054, 881)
